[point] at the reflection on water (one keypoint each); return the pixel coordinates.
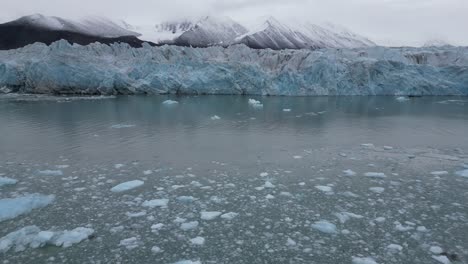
(333, 180)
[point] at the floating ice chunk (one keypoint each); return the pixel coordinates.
(138, 214)
(368, 145)
(13, 207)
(439, 173)
(462, 173)
(156, 203)
(349, 172)
(51, 172)
(402, 228)
(255, 104)
(126, 186)
(436, 250)
(286, 110)
(33, 237)
(62, 166)
(290, 243)
(170, 102)
(375, 174)
(366, 260)
(269, 185)
(394, 248)
(325, 227)
(185, 199)
(380, 219)
(118, 166)
(377, 189)
(198, 241)
(229, 216)
(322, 188)
(156, 249)
(402, 99)
(387, 147)
(442, 259)
(350, 194)
(297, 157)
(130, 243)
(215, 117)
(209, 215)
(189, 225)
(119, 126)
(147, 172)
(263, 174)
(156, 227)
(345, 216)
(7, 181)
(188, 262)
(269, 197)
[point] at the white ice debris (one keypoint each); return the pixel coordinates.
(402, 228)
(33, 237)
(368, 145)
(462, 173)
(198, 241)
(290, 243)
(394, 248)
(377, 189)
(130, 243)
(345, 216)
(189, 225)
(147, 172)
(51, 172)
(215, 117)
(229, 216)
(269, 197)
(349, 172)
(157, 226)
(268, 185)
(263, 174)
(380, 219)
(366, 260)
(170, 102)
(209, 215)
(439, 173)
(286, 110)
(118, 166)
(255, 104)
(126, 186)
(325, 227)
(156, 203)
(119, 126)
(13, 207)
(375, 174)
(402, 99)
(442, 259)
(188, 262)
(186, 199)
(137, 214)
(156, 249)
(326, 189)
(7, 181)
(436, 250)
(297, 157)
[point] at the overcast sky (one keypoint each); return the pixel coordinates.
(390, 22)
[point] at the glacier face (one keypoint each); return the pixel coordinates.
(62, 68)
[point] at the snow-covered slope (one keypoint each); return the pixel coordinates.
(62, 68)
(271, 33)
(92, 26)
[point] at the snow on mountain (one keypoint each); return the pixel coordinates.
(91, 25)
(211, 31)
(271, 33)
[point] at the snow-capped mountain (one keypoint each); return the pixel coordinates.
(271, 33)
(91, 25)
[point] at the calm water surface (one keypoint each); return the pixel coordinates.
(279, 169)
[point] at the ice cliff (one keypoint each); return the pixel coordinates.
(62, 68)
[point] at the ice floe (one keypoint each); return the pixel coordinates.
(188, 262)
(324, 227)
(363, 260)
(439, 173)
(33, 237)
(197, 241)
(442, 259)
(7, 181)
(377, 189)
(189, 225)
(170, 102)
(345, 216)
(402, 99)
(255, 104)
(51, 172)
(126, 186)
(13, 207)
(156, 249)
(215, 117)
(130, 243)
(120, 126)
(229, 216)
(209, 215)
(462, 173)
(349, 173)
(326, 189)
(156, 203)
(375, 174)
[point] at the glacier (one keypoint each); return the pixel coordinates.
(62, 68)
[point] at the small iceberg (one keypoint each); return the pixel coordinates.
(324, 227)
(255, 104)
(402, 99)
(170, 102)
(13, 207)
(127, 186)
(7, 181)
(462, 173)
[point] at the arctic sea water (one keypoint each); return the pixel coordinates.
(233, 179)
